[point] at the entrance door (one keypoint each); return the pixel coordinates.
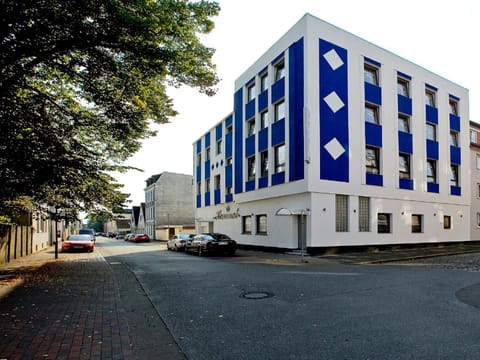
(302, 232)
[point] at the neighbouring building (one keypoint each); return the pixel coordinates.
(137, 222)
(169, 207)
(332, 142)
(475, 176)
(120, 222)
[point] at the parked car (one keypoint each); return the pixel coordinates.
(90, 232)
(178, 241)
(211, 243)
(120, 236)
(129, 237)
(139, 238)
(79, 242)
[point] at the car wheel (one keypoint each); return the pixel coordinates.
(175, 247)
(200, 251)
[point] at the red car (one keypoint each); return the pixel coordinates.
(140, 238)
(79, 242)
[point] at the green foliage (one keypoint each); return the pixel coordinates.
(80, 83)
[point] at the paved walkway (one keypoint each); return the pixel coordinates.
(77, 307)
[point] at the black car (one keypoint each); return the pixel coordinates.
(211, 243)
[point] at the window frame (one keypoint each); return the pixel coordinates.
(416, 223)
(251, 92)
(431, 178)
(251, 168)
(264, 119)
(454, 138)
(387, 228)
(279, 69)
(428, 136)
(403, 87)
(453, 105)
(454, 180)
(406, 174)
(251, 127)
(261, 227)
(219, 146)
(342, 213)
(375, 169)
(217, 182)
(280, 166)
(430, 98)
(279, 109)
(447, 222)
(247, 224)
(264, 163)
(264, 82)
(375, 113)
(371, 74)
(364, 214)
(404, 119)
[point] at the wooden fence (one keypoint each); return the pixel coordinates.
(15, 241)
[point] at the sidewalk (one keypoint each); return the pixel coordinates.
(81, 309)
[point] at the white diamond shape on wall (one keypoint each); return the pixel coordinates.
(334, 148)
(333, 101)
(333, 59)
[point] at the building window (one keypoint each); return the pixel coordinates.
(246, 224)
(280, 70)
(478, 161)
(207, 154)
(199, 188)
(478, 220)
(264, 164)
(430, 98)
(251, 127)
(363, 214)
(264, 120)
(207, 185)
(251, 168)
(372, 160)
(417, 222)
(219, 146)
(229, 129)
(404, 166)
(371, 114)
(431, 171)
(262, 224)
(431, 132)
(453, 175)
(250, 92)
(279, 111)
(341, 213)
(453, 107)
(263, 82)
(370, 74)
(453, 138)
(199, 158)
(473, 136)
(280, 159)
(384, 223)
(447, 222)
(403, 123)
(229, 190)
(217, 182)
(402, 87)
(478, 191)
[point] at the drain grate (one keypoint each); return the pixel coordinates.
(256, 295)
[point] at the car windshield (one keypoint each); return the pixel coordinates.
(79, 238)
(207, 237)
(184, 237)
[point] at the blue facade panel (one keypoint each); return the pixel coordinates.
(228, 198)
(405, 184)
(199, 201)
(404, 105)
(250, 110)
(207, 169)
(263, 139)
(456, 190)
(432, 149)
(199, 146)
(405, 142)
(373, 93)
(199, 173)
(278, 132)
(216, 196)
(373, 134)
(433, 188)
(228, 175)
(228, 121)
(333, 81)
(455, 155)
(374, 179)
(454, 122)
(218, 132)
(296, 104)
(278, 178)
(238, 151)
(250, 146)
(207, 198)
(431, 114)
(228, 145)
(263, 100)
(207, 140)
(278, 90)
(250, 185)
(262, 182)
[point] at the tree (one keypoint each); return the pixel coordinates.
(80, 83)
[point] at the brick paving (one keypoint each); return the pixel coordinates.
(64, 310)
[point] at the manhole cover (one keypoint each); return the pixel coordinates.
(256, 295)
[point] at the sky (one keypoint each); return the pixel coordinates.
(439, 35)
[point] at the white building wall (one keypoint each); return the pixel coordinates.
(318, 195)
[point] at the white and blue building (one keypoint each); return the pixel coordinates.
(332, 142)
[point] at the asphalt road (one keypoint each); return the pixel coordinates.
(248, 308)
